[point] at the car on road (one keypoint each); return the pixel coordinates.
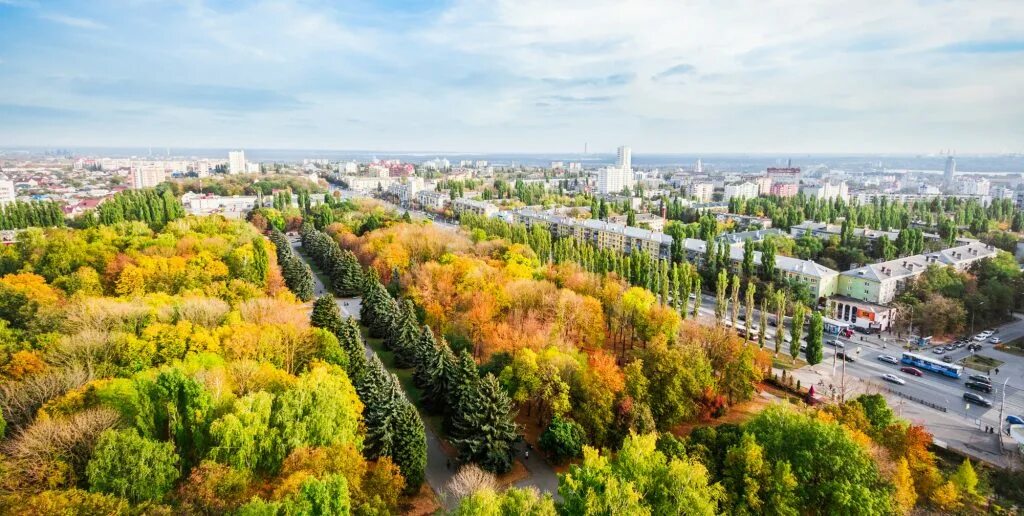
(888, 358)
(980, 337)
(970, 397)
(978, 386)
(845, 356)
(980, 378)
(995, 340)
(973, 347)
(1015, 420)
(947, 359)
(836, 344)
(894, 379)
(939, 351)
(912, 371)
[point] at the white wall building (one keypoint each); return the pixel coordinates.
(744, 190)
(625, 158)
(7, 191)
(236, 162)
(973, 186)
(148, 175)
(701, 192)
(611, 180)
(828, 190)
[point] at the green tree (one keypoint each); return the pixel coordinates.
(244, 438)
(755, 486)
(677, 378)
(483, 428)
(748, 319)
(734, 299)
(326, 315)
(814, 343)
(780, 320)
(797, 328)
(721, 284)
(133, 467)
(747, 266)
(563, 439)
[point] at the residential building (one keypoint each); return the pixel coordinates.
(880, 283)
(643, 220)
(764, 185)
(700, 192)
(233, 207)
(828, 190)
(743, 190)
(743, 221)
(7, 192)
(366, 184)
(406, 190)
(784, 189)
(625, 158)
(605, 235)
(252, 167)
(820, 280)
(236, 162)
(784, 174)
(973, 186)
(612, 180)
(755, 235)
(147, 175)
(949, 174)
(432, 200)
(463, 205)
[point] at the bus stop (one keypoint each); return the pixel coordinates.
(836, 327)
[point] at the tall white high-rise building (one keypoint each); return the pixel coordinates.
(950, 173)
(7, 192)
(236, 162)
(700, 167)
(148, 175)
(742, 190)
(625, 159)
(611, 180)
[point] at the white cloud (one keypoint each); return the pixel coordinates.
(73, 21)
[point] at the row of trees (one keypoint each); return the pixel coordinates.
(155, 207)
(297, 274)
(477, 413)
(340, 265)
(20, 214)
(393, 427)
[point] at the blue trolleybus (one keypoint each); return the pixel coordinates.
(935, 366)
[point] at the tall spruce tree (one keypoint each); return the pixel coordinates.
(326, 315)
(442, 377)
(484, 430)
(352, 342)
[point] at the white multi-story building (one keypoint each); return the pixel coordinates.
(432, 199)
(828, 190)
(252, 167)
(233, 207)
(949, 174)
(406, 191)
(625, 158)
(7, 192)
(148, 175)
(764, 185)
(236, 162)
(463, 204)
(744, 190)
(701, 192)
(612, 180)
(973, 186)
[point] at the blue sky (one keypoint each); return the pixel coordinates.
(515, 76)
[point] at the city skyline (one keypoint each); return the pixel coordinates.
(904, 78)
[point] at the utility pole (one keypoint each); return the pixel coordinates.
(842, 391)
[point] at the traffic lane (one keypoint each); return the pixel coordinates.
(932, 387)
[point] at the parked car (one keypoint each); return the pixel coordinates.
(947, 359)
(894, 379)
(980, 337)
(912, 371)
(1015, 420)
(977, 399)
(995, 340)
(888, 358)
(978, 386)
(980, 378)
(939, 351)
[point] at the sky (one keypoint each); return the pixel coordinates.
(680, 76)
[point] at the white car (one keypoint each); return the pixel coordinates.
(836, 344)
(995, 340)
(980, 337)
(894, 379)
(888, 358)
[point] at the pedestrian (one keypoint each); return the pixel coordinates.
(527, 454)
(448, 463)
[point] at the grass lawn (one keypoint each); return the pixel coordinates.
(1014, 347)
(786, 362)
(981, 363)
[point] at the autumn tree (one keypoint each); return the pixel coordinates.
(780, 320)
(748, 320)
(734, 296)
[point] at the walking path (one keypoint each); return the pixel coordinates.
(440, 466)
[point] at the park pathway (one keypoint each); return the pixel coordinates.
(440, 466)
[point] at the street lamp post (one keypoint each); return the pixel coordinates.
(1002, 404)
